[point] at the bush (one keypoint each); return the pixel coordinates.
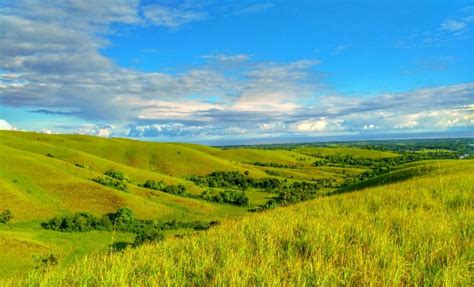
(116, 174)
(124, 216)
(113, 183)
(176, 189)
(5, 216)
(122, 220)
(79, 222)
(147, 236)
(45, 262)
(160, 185)
(234, 197)
(152, 184)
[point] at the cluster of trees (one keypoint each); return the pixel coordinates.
(406, 157)
(114, 179)
(456, 146)
(236, 180)
(234, 197)
(293, 193)
(275, 164)
(162, 186)
(236, 183)
(223, 179)
(5, 216)
(122, 220)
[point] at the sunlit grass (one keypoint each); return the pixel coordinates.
(416, 232)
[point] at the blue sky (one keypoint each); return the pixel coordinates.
(219, 70)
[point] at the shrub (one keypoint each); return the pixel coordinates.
(152, 184)
(45, 262)
(123, 216)
(234, 197)
(116, 174)
(115, 179)
(147, 236)
(160, 185)
(5, 216)
(111, 182)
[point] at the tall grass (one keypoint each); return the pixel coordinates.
(416, 232)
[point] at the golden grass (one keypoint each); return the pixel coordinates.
(416, 232)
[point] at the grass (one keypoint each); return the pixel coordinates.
(416, 232)
(342, 151)
(20, 245)
(415, 227)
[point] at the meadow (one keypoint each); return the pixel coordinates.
(338, 214)
(416, 232)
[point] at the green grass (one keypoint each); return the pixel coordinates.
(416, 232)
(349, 151)
(20, 245)
(347, 239)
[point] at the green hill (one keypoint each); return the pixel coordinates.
(345, 151)
(415, 232)
(45, 176)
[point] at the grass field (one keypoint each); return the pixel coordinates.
(354, 152)
(415, 232)
(353, 238)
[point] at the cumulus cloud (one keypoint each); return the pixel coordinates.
(4, 125)
(95, 130)
(51, 63)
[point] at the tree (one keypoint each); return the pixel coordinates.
(124, 215)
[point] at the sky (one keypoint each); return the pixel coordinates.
(217, 71)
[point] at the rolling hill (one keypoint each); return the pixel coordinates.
(45, 176)
(415, 232)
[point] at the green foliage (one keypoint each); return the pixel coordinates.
(223, 179)
(123, 216)
(114, 179)
(147, 236)
(153, 184)
(179, 189)
(44, 263)
(113, 183)
(79, 222)
(234, 197)
(116, 174)
(122, 220)
(276, 165)
(5, 216)
(293, 193)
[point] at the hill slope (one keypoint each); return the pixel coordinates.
(415, 232)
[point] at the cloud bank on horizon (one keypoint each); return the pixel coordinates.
(197, 70)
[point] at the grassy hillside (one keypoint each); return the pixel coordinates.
(45, 176)
(345, 151)
(415, 232)
(166, 158)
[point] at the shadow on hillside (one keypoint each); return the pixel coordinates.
(119, 246)
(391, 177)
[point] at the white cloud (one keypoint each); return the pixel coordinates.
(4, 125)
(172, 17)
(227, 58)
(453, 25)
(95, 130)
